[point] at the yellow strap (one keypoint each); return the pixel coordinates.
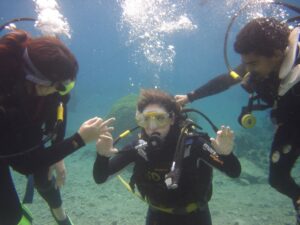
(126, 184)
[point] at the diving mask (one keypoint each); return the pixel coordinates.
(65, 87)
(160, 119)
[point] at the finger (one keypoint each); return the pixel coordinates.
(105, 137)
(108, 122)
(92, 120)
(114, 150)
(213, 142)
(227, 130)
(97, 122)
(106, 129)
(230, 133)
(219, 132)
(106, 134)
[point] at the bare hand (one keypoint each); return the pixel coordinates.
(182, 99)
(92, 128)
(223, 143)
(104, 145)
(60, 173)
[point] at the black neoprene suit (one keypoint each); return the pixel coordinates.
(286, 141)
(21, 129)
(195, 184)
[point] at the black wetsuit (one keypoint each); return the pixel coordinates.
(195, 184)
(23, 121)
(285, 113)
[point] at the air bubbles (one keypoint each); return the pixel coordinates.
(150, 22)
(49, 20)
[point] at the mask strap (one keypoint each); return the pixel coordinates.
(32, 73)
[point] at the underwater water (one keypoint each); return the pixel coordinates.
(176, 45)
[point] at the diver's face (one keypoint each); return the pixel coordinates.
(155, 119)
(42, 90)
(261, 66)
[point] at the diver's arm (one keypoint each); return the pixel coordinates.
(34, 160)
(106, 166)
(215, 86)
(231, 166)
(228, 164)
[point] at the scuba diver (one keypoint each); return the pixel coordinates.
(270, 72)
(36, 75)
(172, 161)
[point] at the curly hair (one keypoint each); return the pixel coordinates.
(262, 36)
(155, 96)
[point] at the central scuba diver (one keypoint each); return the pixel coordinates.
(173, 163)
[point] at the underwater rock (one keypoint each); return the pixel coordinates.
(124, 112)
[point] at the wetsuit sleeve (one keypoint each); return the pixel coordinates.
(41, 158)
(216, 85)
(104, 166)
(228, 164)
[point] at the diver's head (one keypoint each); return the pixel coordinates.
(49, 65)
(262, 43)
(157, 112)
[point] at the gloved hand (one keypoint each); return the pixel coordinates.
(104, 145)
(182, 99)
(60, 173)
(92, 128)
(223, 143)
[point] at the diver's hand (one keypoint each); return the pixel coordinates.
(104, 145)
(223, 144)
(60, 173)
(182, 99)
(92, 128)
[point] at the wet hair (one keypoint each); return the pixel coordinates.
(155, 96)
(48, 54)
(52, 58)
(262, 36)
